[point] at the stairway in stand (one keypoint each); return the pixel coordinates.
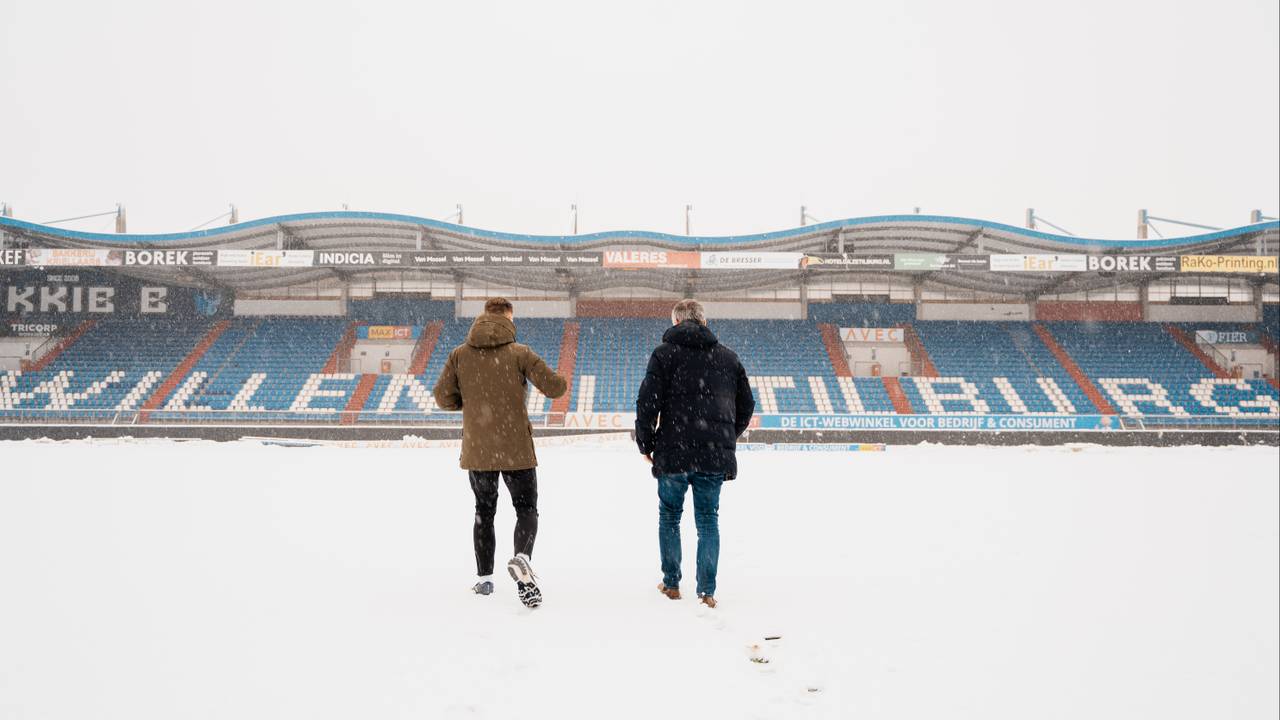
(568, 361)
(58, 349)
(342, 349)
(919, 355)
(835, 349)
(355, 404)
(1185, 340)
(901, 404)
(425, 347)
(1090, 390)
(170, 383)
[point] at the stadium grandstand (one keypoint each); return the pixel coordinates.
(911, 322)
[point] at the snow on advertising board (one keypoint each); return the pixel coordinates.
(936, 422)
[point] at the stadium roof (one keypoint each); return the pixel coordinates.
(878, 235)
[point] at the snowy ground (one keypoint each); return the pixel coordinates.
(196, 580)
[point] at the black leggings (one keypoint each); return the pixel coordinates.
(523, 486)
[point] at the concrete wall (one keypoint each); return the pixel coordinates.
(524, 308)
(973, 311)
(334, 307)
(1160, 312)
(893, 359)
(367, 357)
(752, 310)
(1091, 311)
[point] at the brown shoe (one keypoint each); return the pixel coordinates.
(707, 600)
(672, 593)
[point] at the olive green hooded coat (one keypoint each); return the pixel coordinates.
(486, 378)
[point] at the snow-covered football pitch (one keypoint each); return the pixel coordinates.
(201, 580)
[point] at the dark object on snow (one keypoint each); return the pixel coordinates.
(486, 378)
(694, 403)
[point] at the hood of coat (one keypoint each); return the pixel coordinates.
(490, 331)
(692, 334)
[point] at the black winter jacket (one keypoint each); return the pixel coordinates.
(694, 403)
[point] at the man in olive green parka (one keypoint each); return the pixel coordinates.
(487, 379)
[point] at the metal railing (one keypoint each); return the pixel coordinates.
(369, 418)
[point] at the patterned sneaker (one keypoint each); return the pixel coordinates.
(526, 581)
(529, 594)
(483, 588)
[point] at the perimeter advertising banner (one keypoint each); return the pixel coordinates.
(266, 258)
(652, 259)
(873, 335)
(1134, 263)
(637, 260)
(388, 332)
(1039, 263)
(937, 422)
(1230, 263)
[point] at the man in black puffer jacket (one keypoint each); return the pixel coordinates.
(694, 403)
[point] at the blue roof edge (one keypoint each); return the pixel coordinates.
(214, 233)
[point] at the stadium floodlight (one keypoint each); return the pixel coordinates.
(1033, 218)
(117, 212)
(574, 210)
(1256, 217)
(1145, 218)
(805, 217)
(456, 214)
(232, 213)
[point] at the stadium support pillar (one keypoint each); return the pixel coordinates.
(279, 238)
(1031, 218)
(1255, 217)
(457, 297)
(235, 216)
(917, 294)
(1257, 299)
(1144, 294)
(120, 223)
(804, 298)
(6, 210)
(1142, 224)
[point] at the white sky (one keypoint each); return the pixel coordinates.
(1085, 110)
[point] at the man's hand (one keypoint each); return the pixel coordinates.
(649, 457)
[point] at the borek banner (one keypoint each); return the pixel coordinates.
(938, 422)
(1134, 263)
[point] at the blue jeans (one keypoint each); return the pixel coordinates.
(706, 516)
